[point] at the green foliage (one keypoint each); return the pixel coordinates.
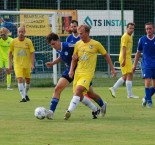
(126, 122)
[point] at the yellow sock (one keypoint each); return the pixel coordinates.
(8, 80)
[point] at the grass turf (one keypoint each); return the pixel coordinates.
(126, 122)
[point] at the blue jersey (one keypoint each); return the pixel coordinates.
(147, 47)
(72, 39)
(66, 52)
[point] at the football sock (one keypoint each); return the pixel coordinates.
(119, 82)
(152, 91)
(129, 87)
(54, 103)
(8, 80)
(99, 102)
(21, 89)
(74, 102)
(27, 87)
(148, 95)
(88, 103)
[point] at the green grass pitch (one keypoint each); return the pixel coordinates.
(126, 122)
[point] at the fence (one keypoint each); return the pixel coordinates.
(104, 16)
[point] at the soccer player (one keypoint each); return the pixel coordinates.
(22, 50)
(87, 50)
(65, 51)
(5, 42)
(74, 37)
(146, 46)
(125, 62)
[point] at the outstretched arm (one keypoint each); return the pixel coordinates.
(51, 63)
(108, 59)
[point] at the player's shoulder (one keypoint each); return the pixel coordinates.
(143, 38)
(67, 44)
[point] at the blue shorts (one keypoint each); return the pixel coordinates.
(66, 75)
(148, 73)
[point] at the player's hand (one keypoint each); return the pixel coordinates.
(123, 64)
(113, 72)
(48, 64)
(71, 74)
(32, 67)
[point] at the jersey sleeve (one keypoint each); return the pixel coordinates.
(140, 48)
(31, 46)
(101, 49)
(12, 46)
(124, 41)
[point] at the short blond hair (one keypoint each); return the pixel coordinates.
(4, 30)
(86, 27)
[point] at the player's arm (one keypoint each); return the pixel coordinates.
(124, 56)
(108, 59)
(73, 65)
(138, 54)
(10, 61)
(51, 63)
(32, 60)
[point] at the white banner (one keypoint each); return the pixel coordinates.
(104, 22)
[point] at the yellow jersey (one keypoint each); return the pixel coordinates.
(4, 47)
(22, 52)
(87, 56)
(127, 42)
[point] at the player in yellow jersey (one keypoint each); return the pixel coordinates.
(87, 50)
(125, 60)
(5, 42)
(22, 50)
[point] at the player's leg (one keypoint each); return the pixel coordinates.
(147, 75)
(8, 79)
(80, 85)
(19, 76)
(27, 76)
(129, 80)
(8, 75)
(98, 100)
(119, 82)
(61, 85)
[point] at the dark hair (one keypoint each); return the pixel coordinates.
(51, 36)
(150, 23)
(74, 21)
(132, 24)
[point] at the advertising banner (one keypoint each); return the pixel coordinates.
(105, 22)
(41, 25)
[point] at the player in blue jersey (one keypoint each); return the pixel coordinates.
(65, 51)
(74, 37)
(146, 46)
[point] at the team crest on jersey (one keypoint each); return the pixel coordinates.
(66, 53)
(91, 46)
(26, 44)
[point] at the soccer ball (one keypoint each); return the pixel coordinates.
(40, 113)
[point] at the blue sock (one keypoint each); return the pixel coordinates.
(100, 102)
(148, 95)
(152, 90)
(53, 104)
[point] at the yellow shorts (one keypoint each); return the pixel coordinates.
(127, 68)
(22, 72)
(4, 62)
(82, 80)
